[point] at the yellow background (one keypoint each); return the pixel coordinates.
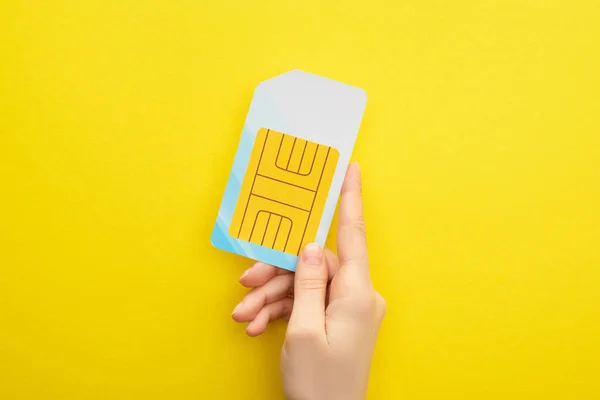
(481, 156)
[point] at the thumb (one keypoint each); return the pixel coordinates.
(310, 287)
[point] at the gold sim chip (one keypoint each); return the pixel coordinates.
(283, 192)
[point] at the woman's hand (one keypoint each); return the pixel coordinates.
(271, 294)
(333, 326)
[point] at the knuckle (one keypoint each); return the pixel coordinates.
(310, 283)
(360, 261)
(350, 263)
(356, 223)
(359, 224)
(364, 303)
(352, 184)
(381, 304)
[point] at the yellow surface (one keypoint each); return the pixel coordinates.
(283, 192)
(481, 156)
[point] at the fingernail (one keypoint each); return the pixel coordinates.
(245, 274)
(312, 254)
(237, 308)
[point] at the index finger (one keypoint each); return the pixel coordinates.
(351, 236)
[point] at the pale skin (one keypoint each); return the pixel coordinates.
(334, 314)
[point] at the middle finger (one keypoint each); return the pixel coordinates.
(275, 289)
(260, 273)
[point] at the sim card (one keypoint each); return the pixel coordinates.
(289, 167)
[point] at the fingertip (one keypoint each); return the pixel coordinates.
(352, 181)
(311, 267)
(252, 331)
(237, 318)
(257, 275)
(256, 327)
(244, 275)
(247, 310)
(236, 314)
(312, 254)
